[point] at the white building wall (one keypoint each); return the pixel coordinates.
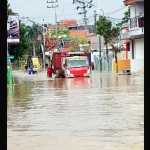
(137, 64)
(132, 10)
(139, 48)
(136, 8)
(139, 8)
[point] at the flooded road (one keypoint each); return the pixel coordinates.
(105, 112)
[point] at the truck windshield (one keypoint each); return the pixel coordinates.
(77, 62)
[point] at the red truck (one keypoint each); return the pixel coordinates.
(72, 64)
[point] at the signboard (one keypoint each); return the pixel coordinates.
(13, 36)
(10, 57)
(77, 58)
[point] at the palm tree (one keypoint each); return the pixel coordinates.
(32, 34)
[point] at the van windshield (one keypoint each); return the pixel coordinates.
(78, 62)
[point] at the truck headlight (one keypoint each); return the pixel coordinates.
(68, 72)
(89, 71)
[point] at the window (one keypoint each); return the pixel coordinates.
(77, 63)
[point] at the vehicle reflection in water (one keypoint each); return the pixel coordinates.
(78, 83)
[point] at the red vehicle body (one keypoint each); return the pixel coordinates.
(73, 64)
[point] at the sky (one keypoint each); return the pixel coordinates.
(38, 12)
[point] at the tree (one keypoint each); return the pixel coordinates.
(60, 32)
(75, 41)
(105, 28)
(9, 10)
(32, 34)
(125, 18)
(116, 49)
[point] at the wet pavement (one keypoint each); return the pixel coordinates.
(104, 112)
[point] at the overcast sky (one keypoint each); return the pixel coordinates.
(37, 10)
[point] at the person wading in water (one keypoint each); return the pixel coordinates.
(49, 71)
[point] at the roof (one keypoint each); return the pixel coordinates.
(66, 23)
(81, 33)
(128, 2)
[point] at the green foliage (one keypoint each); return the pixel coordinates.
(125, 18)
(75, 41)
(104, 28)
(116, 50)
(59, 33)
(24, 47)
(33, 33)
(9, 10)
(109, 32)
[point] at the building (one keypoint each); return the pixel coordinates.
(133, 32)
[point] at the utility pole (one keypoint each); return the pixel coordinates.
(99, 44)
(99, 41)
(85, 4)
(85, 19)
(95, 21)
(54, 6)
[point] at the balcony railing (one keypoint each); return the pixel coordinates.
(136, 22)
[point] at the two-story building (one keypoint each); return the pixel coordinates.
(134, 32)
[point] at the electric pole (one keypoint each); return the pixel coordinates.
(54, 6)
(95, 20)
(85, 5)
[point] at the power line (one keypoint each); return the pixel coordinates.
(96, 2)
(115, 11)
(43, 12)
(114, 18)
(40, 10)
(53, 16)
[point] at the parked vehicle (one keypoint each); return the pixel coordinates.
(72, 64)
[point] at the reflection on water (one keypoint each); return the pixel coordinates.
(102, 112)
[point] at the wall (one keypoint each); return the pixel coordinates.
(94, 54)
(122, 65)
(138, 62)
(121, 55)
(139, 8)
(139, 48)
(132, 10)
(81, 33)
(136, 8)
(137, 65)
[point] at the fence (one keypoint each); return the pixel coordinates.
(104, 62)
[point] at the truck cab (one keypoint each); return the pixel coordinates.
(76, 66)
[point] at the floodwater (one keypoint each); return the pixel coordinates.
(104, 112)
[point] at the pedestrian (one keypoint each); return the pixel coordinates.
(59, 73)
(92, 65)
(49, 71)
(26, 65)
(30, 71)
